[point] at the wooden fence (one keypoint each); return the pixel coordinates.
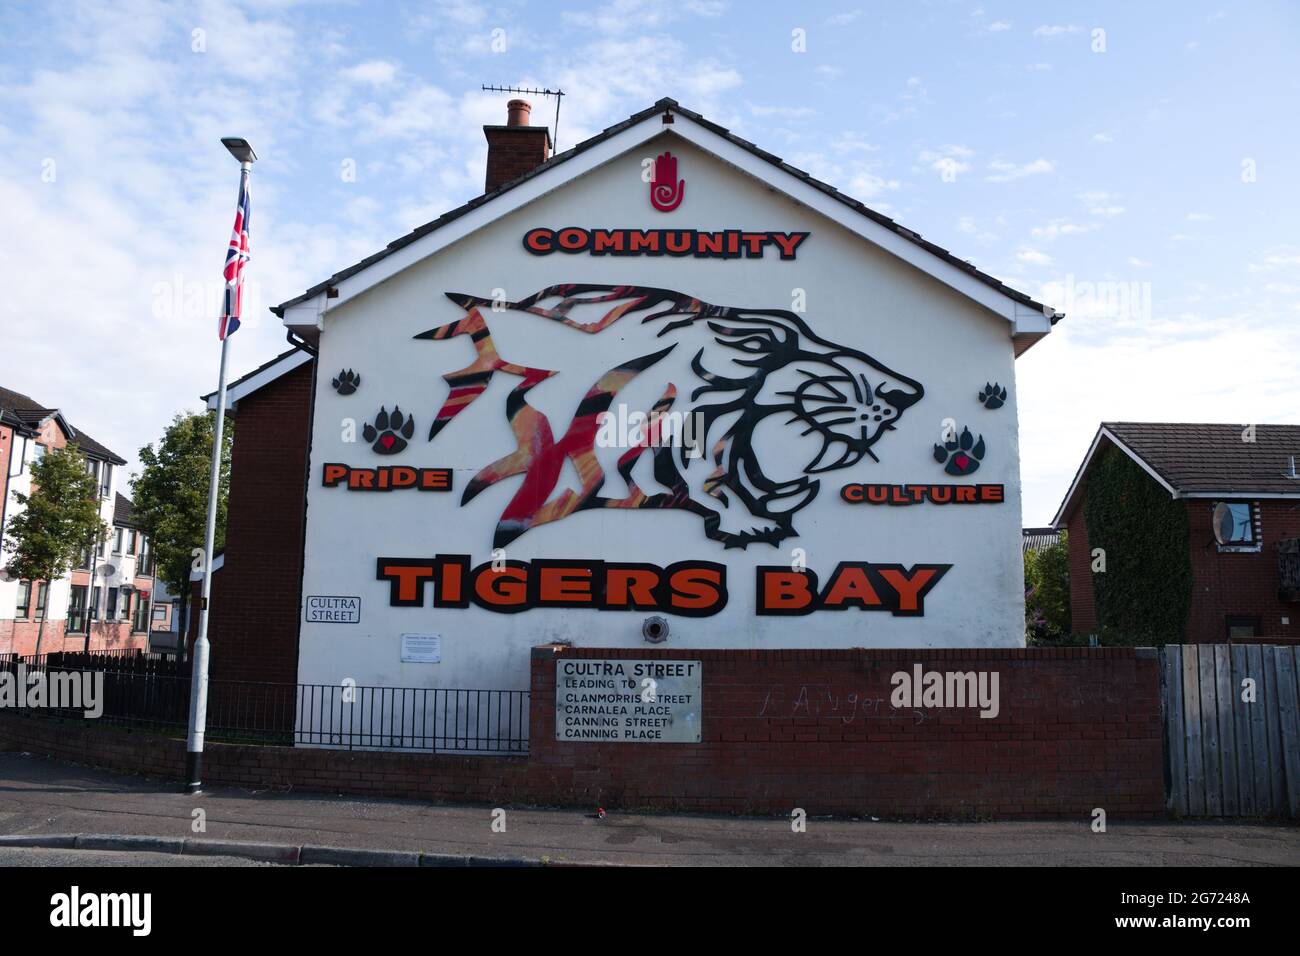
(1227, 754)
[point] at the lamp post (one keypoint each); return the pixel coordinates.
(243, 152)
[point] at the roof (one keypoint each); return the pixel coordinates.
(936, 255)
(124, 511)
(260, 377)
(1202, 460)
(1036, 539)
(27, 414)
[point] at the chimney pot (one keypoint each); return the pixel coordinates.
(517, 112)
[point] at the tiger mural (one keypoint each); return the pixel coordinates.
(740, 372)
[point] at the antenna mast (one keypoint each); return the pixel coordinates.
(558, 94)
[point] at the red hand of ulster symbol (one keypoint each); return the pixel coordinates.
(666, 190)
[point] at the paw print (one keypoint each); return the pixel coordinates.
(389, 433)
(960, 455)
(991, 396)
(346, 382)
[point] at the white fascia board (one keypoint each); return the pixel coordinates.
(1227, 494)
(1024, 320)
(263, 378)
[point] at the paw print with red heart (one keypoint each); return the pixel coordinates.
(960, 454)
(390, 431)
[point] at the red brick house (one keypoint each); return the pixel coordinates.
(104, 602)
(1245, 587)
(256, 584)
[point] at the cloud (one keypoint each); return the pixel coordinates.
(372, 72)
(1101, 203)
(1061, 227)
(1002, 171)
(1033, 257)
(948, 161)
(1054, 31)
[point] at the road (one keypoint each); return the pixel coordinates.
(39, 796)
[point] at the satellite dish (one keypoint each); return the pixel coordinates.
(107, 570)
(1223, 523)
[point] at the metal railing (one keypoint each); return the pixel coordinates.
(150, 693)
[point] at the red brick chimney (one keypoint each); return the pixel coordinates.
(515, 148)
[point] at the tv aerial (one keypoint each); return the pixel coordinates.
(534, 91)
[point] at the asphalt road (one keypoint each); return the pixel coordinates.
(39, 796)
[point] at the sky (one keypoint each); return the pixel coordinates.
(1137, 166)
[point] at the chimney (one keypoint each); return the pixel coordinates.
(515, 148)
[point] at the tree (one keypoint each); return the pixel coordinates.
(1047, 593)
(171, 498)
(60, 518)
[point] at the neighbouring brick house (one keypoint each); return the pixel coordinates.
(256, 584)
(1245, 589)
(103, 603)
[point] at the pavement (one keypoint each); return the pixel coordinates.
(42, 799)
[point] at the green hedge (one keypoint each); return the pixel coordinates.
(1146, 589)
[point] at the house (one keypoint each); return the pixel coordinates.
(1038, 539)
(662, 386)
(103, 603)
(1237, 582)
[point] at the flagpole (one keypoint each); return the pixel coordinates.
(199, 680)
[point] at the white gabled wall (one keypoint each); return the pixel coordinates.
(857, 295)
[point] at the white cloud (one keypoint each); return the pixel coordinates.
(998, 26)
(1102, 138)
(1054, 31)
(1002, 171)
(372, 72)
(1101, 203)
(1061, 227)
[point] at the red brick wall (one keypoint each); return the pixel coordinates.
(255, 596)
(1223, 583)
(1079, 728)
(1240, 583)
(513, 151)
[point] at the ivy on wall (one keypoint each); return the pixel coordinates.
(1146, 589)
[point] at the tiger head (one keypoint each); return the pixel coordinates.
(751, 370)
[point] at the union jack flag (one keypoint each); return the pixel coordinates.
(237, 257)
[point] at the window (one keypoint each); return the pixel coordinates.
(1243, 535)
(160, 612)
(117, 540)
(94, 603)
(1242, 625)
(77, 610)
(107, 484)
(125, 609)
(130, 545)
(85, 559)
(144, 566)
(38, 452)
(24, 599)
(140, 622)
(42, 592)
(111, 612)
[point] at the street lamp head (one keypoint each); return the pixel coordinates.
(239, 149)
